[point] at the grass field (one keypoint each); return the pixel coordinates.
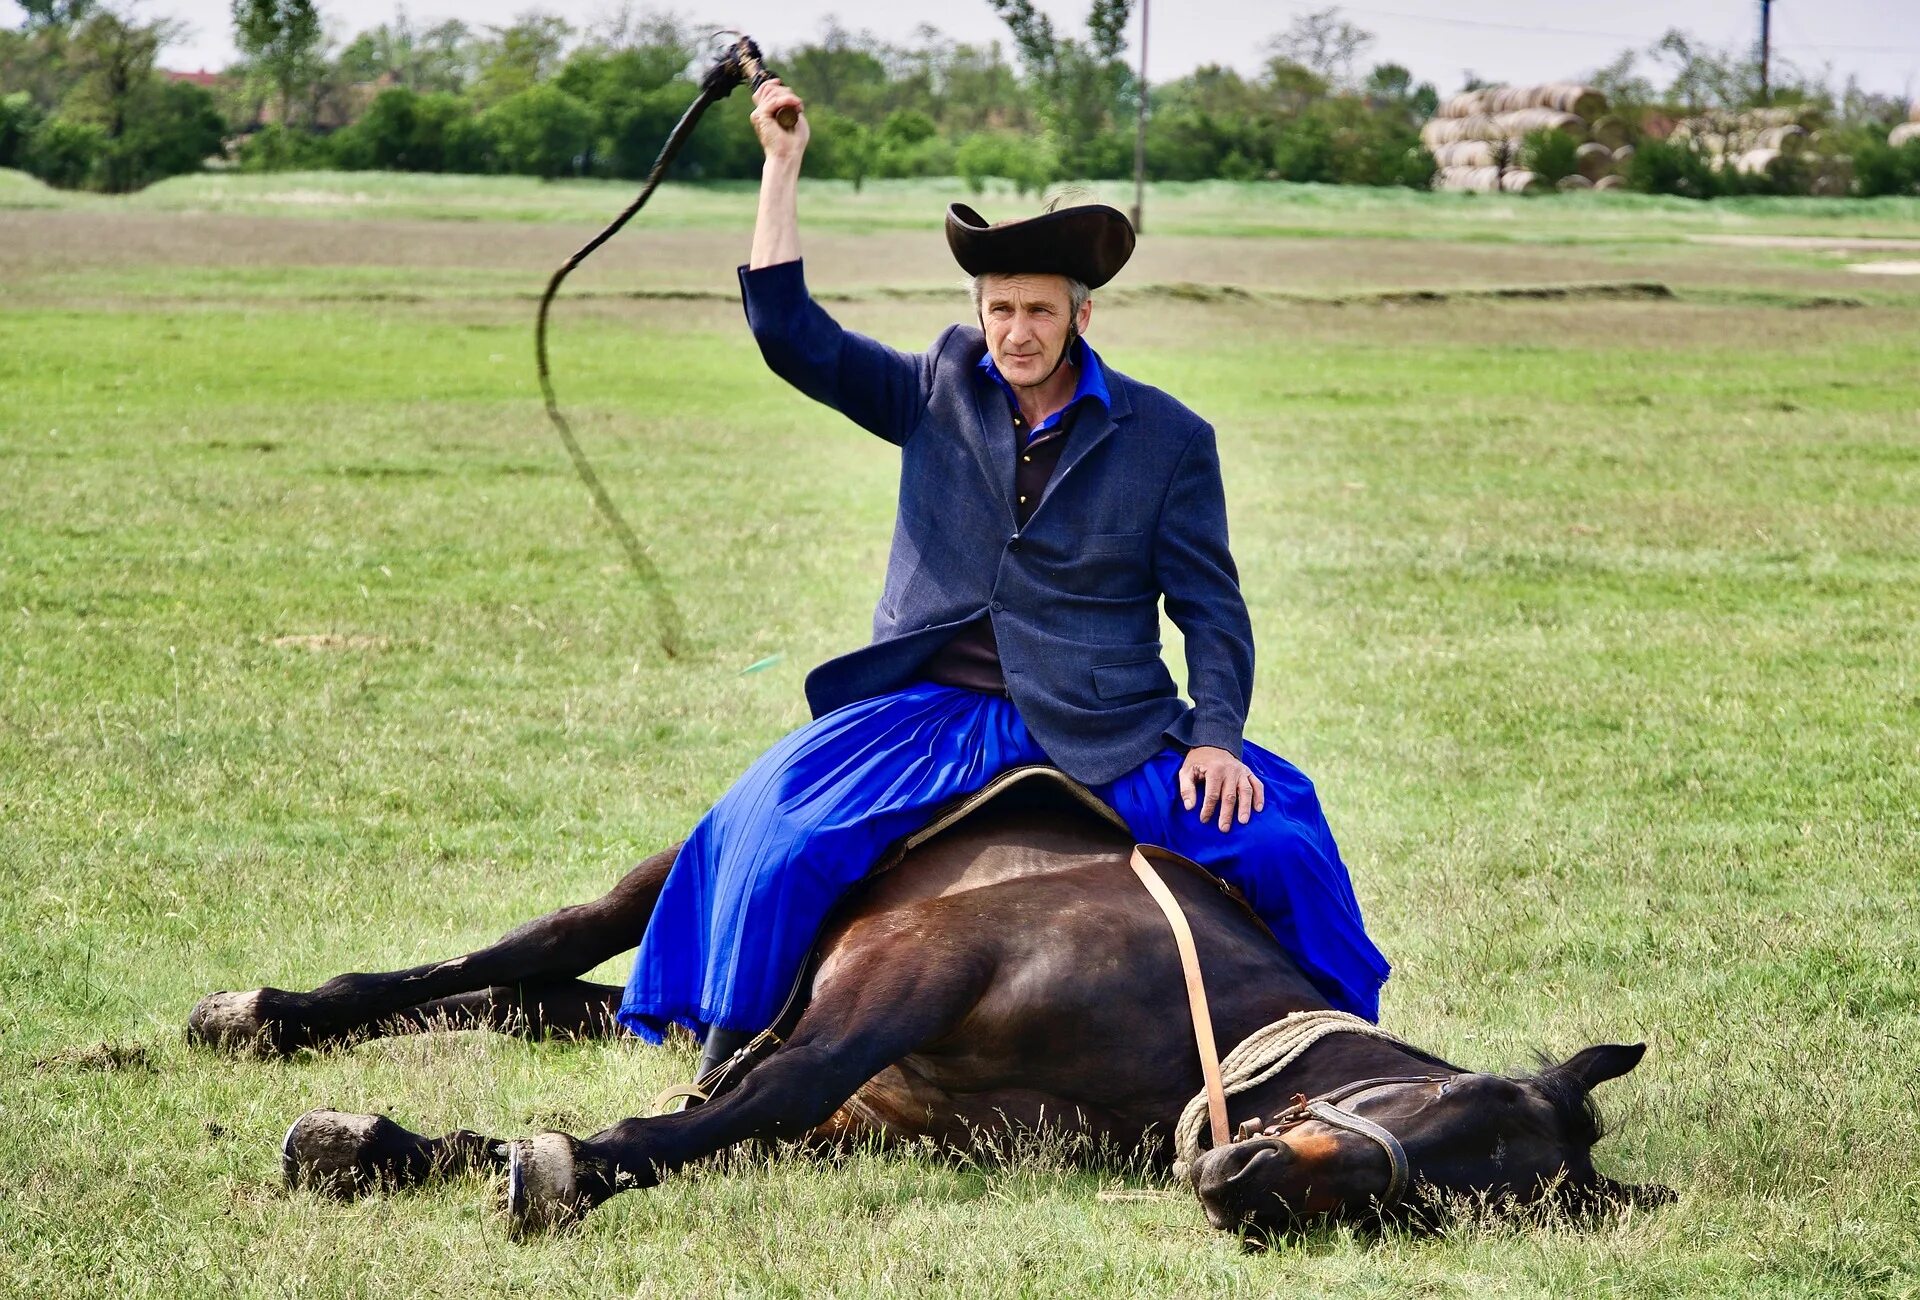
(1596, 617)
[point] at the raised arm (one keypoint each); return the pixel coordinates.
(880, 389)
(776, 230)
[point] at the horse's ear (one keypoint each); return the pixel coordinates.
(1594, 1066)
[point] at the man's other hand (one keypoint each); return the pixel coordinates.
(780, 144)
(1231, 786)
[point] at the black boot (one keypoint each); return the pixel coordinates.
(719, 1047)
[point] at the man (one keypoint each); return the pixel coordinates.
(1047, 505)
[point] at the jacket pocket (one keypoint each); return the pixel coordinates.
(1140, 677)
(1111, 543)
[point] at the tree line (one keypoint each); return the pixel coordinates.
(82, 102)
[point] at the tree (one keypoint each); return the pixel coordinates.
(1080, 86)
(42, 14)
(520, 56)
(542, 131)
(114, 87)
(281, 40)
(1706, 78)
(1324, 42)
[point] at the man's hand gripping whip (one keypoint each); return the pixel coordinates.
(739, 62)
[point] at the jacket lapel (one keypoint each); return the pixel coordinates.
(1090, 429)
(993, 439)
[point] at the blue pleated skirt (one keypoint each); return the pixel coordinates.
(755, 880)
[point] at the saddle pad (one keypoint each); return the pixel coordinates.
(1035, 779)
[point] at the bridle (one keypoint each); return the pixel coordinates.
(1327, 1109)
(1266, 1052)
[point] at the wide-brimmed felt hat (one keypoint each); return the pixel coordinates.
(1088, 243)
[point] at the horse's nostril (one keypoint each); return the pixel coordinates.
(1219, 1171)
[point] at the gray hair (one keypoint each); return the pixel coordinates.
(1077, 294)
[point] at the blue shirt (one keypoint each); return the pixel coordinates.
(1092, 384)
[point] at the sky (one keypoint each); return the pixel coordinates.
(1500, 40)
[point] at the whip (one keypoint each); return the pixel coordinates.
(738, 63)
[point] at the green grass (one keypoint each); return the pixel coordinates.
(1189, 208)
(1594, 621)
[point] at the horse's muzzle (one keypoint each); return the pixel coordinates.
(1239, 1183)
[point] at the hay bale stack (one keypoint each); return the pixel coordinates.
(1904, 132)
(1456, 130)
(1728, 136)
(1611, 131)
(1468, 103)
(1622, 156)
(1478, 180)
(1469, 153)
(1481, 130)
(1520, 122)
(1593, 160)
(1758, 162)
(1514, 125)
(1559, 96)
(1573, 182)
(1613, 182)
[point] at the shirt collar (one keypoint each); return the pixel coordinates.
(1091, 383)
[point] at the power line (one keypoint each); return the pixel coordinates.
(1632, 37)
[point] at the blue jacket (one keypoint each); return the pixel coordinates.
(1134, 512)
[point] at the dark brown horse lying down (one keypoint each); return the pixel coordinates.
(1009, 974)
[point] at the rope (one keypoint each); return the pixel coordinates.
(1259, 1057)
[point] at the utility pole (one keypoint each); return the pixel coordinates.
(1766, 44)
(1140, 133)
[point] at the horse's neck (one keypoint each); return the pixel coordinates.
(1335, 1060)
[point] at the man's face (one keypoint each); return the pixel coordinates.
(1027, 322)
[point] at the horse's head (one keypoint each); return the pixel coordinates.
(1357, 1153)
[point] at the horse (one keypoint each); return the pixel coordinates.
(1005, 973)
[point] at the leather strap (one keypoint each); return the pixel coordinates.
(1196, 993)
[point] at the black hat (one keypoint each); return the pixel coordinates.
(1089, 244)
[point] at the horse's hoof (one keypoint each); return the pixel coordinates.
(231, 1022)
(336, 1153)
(542, 1191)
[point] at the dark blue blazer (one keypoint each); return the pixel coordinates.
(1134, 512)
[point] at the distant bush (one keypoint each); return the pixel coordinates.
(65, 153)
(1671, 167)
(1552, 155)
(18, 119)
(277, 149)
(404, 131)
(176, 127)
(1880, 168)
(541, 131)
(1003, 154)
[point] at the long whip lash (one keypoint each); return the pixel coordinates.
(739, 63)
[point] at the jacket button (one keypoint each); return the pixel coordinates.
(1013, 543)
(996, 607)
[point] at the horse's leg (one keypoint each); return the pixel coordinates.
(344, 1155)
(552, 949)
(569, 1008)
(875, 1007)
